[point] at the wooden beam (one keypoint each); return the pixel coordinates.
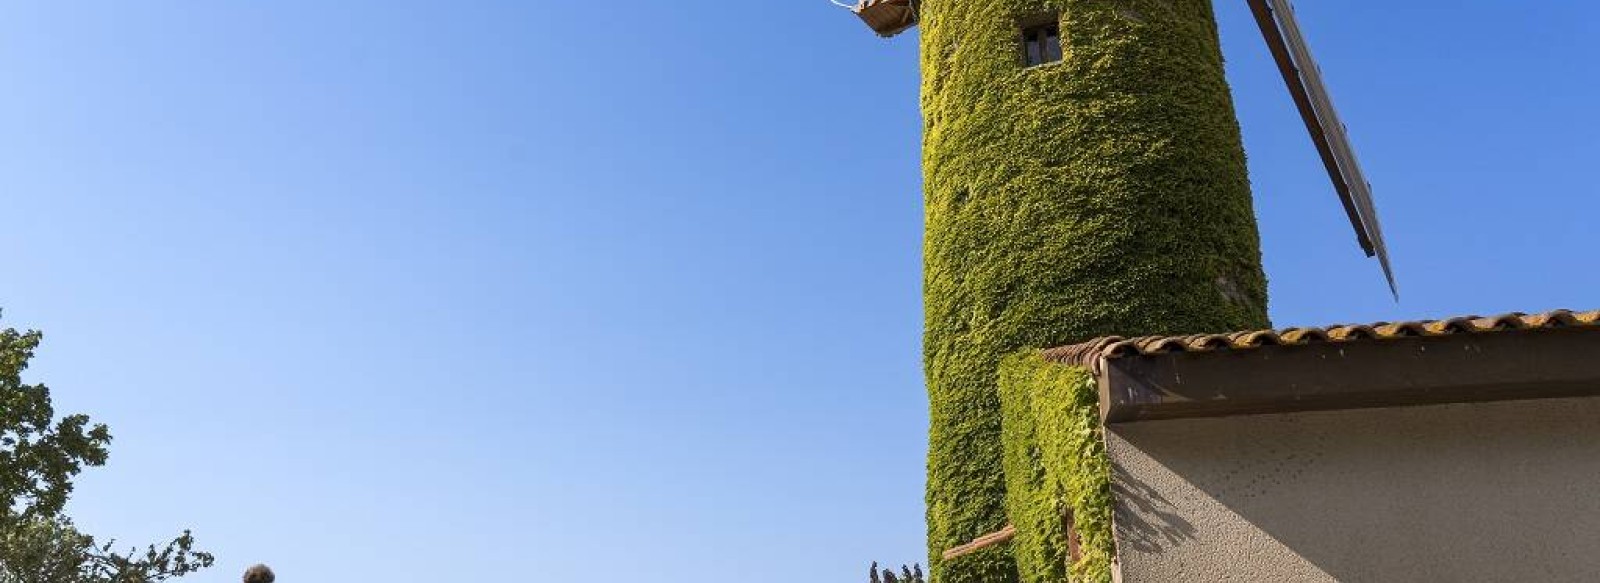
(983, 542)
(1304, 80)
(1463, 368)
(888, 17)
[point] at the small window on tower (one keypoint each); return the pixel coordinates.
(1041, 43)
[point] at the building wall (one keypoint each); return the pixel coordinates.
(1504, 491)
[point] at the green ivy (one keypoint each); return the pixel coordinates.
(1102, 195)
(1055, 460)
(1034, 500)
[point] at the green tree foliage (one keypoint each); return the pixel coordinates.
(38, 454)
(54, 551)
(1105, 194)
(39, 457)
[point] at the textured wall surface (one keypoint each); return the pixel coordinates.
(1104, 194)
(1462, 493)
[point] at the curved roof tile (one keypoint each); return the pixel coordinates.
(1091, 353)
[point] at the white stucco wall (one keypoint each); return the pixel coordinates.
(1504, 491)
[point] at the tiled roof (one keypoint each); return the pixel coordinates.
(1090, 353)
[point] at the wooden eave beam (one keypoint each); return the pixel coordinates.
(1462, 368)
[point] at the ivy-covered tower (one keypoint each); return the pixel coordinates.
(1084, 177)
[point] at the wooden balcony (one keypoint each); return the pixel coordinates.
(888, 17)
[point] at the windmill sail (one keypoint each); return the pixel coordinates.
(1300, 72)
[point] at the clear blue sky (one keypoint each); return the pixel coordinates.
(406, 291)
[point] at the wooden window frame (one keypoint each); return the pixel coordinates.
(1034, 35)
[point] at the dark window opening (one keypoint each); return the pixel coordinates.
(1041, 44)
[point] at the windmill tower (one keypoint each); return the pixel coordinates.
(1084, 177)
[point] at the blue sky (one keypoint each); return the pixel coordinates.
(406, 291)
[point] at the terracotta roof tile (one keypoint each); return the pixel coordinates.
(1091, 353)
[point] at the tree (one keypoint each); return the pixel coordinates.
(54, 551)
(39, 457)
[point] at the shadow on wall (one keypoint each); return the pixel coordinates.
(1146, 520)
(1482, 492)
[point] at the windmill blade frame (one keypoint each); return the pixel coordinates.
(1304, 79)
